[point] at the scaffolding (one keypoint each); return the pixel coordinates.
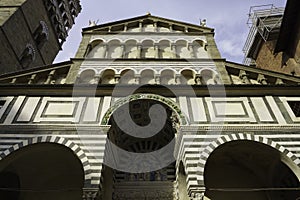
(264, 20)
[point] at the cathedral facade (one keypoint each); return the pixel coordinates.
(148, 109)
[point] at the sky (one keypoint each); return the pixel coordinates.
(227, 17)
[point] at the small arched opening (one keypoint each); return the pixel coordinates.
(148, 50)
(167, 77)
(127, 77)
(96, 49)
(115, 50)
(187, 77)
(165, 49)
(108, 77)
(147, 77)
(87, 76)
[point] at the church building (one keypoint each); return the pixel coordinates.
(147, 109)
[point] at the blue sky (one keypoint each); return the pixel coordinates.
(227, 17)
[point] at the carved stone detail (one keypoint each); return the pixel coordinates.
(90, 193)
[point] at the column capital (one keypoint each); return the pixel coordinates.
(90, 193)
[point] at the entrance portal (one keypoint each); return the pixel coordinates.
(141, 172)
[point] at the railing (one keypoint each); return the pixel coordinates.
(263, 20)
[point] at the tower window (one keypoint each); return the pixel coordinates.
(41, 34)
(28, 56)
(295, 106)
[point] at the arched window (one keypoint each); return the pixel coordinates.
(147, 77)
(108, 77)
(165, 49)
(148, 50)
(167, 77)
(187, 77)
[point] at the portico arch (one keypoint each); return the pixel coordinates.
(41, 171)
(242, 166)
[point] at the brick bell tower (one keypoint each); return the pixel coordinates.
(32, 31)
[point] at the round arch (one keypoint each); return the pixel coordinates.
(42, 170)
(293, 165)
(182, 120)
(148, 68)
(87, 76)
(242, 163)
(57, 140)
(108, 68)
(128, 69)
(168, 69)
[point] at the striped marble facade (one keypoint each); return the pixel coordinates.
(80, 123)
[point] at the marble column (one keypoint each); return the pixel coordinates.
(141, 26)
(122, 51)
(173, 49)
(50, 77)
(198, 80)
(105, 50)
(262, 80)
(244, 77)
(125, 27)
(191, 50)
(156, 49)
(139, 51)
(31, 79)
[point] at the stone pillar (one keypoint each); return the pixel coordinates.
(105, 50)
(13, 80)
(50, 77)
(262, 80)
(31, 79)
(178, 79)
(157, 79)
(198, 80)
(90, 193)
(173, 49)
(191, 49)
(122, 51)
(279, 81)
(141, 26)
(244, 77)
(125, 27)
(117, 79)
(156, 49)
(171, 28)
(139, 51)
(137, 79)
(155, 27)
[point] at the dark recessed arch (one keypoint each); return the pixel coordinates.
(42, 171)
(245, 169)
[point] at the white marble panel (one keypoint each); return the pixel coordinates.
(28, 109)
(92, 109)
(198, 110)
(261, 109)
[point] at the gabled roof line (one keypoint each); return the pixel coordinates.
(149, 16)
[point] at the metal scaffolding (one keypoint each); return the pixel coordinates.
(263, 20)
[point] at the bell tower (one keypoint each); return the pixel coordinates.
(32, 31)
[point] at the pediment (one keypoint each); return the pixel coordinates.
(148, 23)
